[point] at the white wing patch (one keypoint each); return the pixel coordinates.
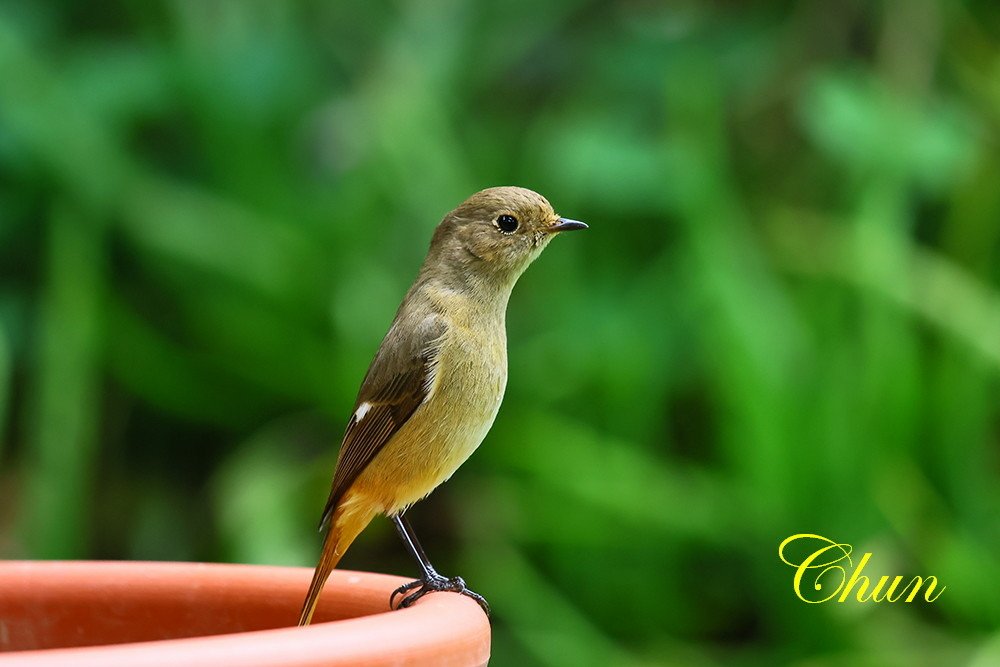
(362, 411)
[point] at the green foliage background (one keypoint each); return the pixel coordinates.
(785, 316)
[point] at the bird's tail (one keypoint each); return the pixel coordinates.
(344, 527)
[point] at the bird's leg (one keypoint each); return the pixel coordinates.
(431, 580)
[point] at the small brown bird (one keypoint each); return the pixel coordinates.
(436, 383)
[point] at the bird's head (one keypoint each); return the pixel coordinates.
(496, 233)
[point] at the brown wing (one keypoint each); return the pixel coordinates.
(396, 384)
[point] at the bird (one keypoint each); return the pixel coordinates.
(435, 385)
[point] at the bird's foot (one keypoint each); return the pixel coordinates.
(431, 583)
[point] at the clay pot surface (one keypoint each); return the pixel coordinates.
(112, 614)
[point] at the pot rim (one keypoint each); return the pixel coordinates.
(445, 628)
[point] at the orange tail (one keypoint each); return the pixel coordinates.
(344, 527)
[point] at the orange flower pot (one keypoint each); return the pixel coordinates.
(114, 614)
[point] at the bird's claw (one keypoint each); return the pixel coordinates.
(430, 584)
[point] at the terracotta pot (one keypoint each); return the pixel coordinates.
(85, 614)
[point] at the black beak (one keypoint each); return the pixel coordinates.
(566, 225)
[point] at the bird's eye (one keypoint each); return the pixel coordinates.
(507, 223)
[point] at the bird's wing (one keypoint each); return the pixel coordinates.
(397, 382)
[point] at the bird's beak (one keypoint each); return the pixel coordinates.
(566, 225)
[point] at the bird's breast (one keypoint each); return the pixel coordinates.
(469, 379)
